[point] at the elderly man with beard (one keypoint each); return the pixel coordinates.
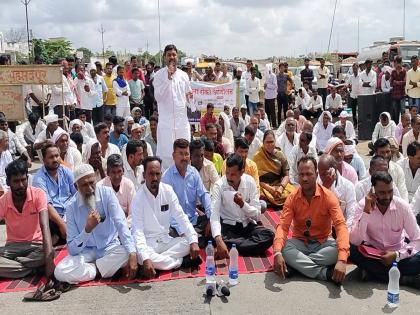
(288, 139)
(28, 245)
(384, 221)
(45, 135)
(70, 157)
(154, 206)
(98, 237)
(57, 182)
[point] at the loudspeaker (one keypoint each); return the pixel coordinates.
(369, 107)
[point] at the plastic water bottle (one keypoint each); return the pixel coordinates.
(394, 286)
(210, 270)
(233, 265)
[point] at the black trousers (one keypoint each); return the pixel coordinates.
(323, 94)
(308, 114)
(353, 106)
(408, 266)
(252, 240)
(270, 109)
(58, 110)
(246, 99)
(282, 105)
(98, 115)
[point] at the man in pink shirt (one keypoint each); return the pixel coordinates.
(24, 209)
(335, 147)
(383, 221)
(123, 187)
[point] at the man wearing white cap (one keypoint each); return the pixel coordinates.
(154, 205)
(98, 237)
(347, 125)
(137, 132)
(342, 188)
(354, 159)
(323, 130)
(70, 156)
(45, 135)
(244, 114)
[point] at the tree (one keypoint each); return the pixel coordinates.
(51, 49)
(15, 35)
(87, 53)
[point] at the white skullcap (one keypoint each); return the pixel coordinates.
(136, 126)
(75, 122)
(243, 106)
(50, 118)
(81, 171)
(343, 114)
(349, 149)
(239, 69)
(332, 143)
(57, 134)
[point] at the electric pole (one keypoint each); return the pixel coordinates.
(26, 3)
(102, 31)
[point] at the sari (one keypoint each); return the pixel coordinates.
(272, 167)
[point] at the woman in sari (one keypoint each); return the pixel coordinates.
(273, 171)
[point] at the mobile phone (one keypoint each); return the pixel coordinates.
(372, 190)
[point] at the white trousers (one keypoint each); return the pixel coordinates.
(123, 111)
(82, 267)
(166, 256)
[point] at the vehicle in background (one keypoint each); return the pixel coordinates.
(345, 69)
(313, 65)
(396, 46)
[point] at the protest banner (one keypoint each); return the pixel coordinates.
(11, 102)
(30, 74)
(204, 93)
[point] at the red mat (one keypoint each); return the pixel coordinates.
(246, 265)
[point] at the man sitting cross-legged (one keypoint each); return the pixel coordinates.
(311, 209)
(154, 206)
(236, 207)
(24, 209)
(188, 187)
(384, 221)
(98, 238)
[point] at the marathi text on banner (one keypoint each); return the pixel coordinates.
(11, 102)
(33, 74)
(204, 93)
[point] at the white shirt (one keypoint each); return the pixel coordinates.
(349, 128)
(356, 85)
(412, 183)
(245, 76)
(15, 145)
(87, 130)
(85, 99)
(292, 158)
(136, 177)
(122, 100)
(285, 145)
(415, 203)
(111, 149)
(322, 83)
(5, 159)
(253, 147)
(385, 84)
(302, 102)
(334, 103)
(101, 88)
(25, 131)
(271, 88)
(413, 76)
(259, 134)
(40, 91)
(344, 190)
(368, 78)
(60, 93)
(151, 217)
(171, 97)
(322, 135)
(407, 139)
(398, 177)
(73, 157)
(363, 186)
(253, 89)
(226, 209)
(315, 103)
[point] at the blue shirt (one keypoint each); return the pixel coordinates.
(188, 189)
(359, 166)
(58, 193)
(106, 234)
(122, 140)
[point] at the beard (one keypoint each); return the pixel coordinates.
(90, 201)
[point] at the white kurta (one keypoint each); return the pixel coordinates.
(171, 97)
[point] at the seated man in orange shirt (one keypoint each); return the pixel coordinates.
(24, 209)
(241, 149)
(312, 251)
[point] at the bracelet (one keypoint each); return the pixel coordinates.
(277, 254)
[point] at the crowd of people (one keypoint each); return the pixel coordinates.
(128, 184)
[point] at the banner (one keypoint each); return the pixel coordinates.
(204, 93)
(11, 102)
(31, 74)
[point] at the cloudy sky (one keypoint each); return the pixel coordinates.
(226, 28)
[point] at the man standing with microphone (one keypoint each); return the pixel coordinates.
(172, 93)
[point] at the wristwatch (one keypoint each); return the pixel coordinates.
(397, 258)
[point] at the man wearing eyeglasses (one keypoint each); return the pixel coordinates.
(311, 251)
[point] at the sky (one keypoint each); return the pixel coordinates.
(225, 28)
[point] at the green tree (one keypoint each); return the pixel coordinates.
(51, 49)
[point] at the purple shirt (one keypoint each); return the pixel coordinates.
(387, 231)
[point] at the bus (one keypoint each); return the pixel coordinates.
(396, 46)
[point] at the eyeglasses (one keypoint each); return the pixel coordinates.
(308, 224)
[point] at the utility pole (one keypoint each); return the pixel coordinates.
(332, 25)
(404, 20)
(102, 31)
(26, 3)
(358, 35)
(160, 44)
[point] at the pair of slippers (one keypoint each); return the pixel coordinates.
(49, 291)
